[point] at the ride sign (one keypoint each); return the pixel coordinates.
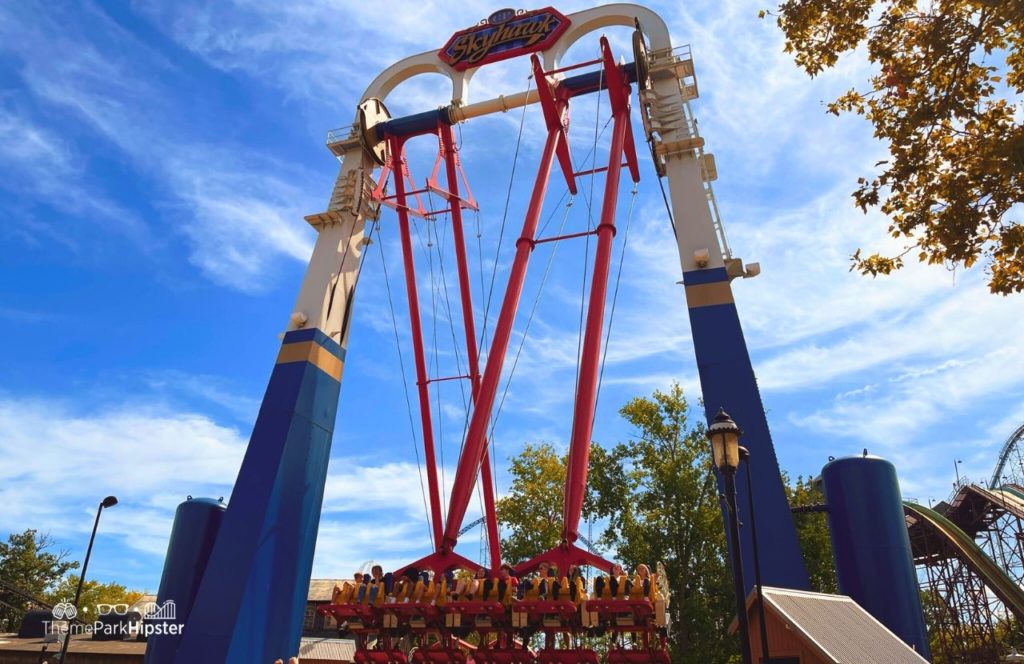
(504, 34)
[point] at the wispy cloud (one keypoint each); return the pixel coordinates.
(26, 316)
(241, 221)
(61, 460)
(41, 164)
(240, 212)
(32, 147)
(310, 50)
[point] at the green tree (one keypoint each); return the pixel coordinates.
(945, 96)
(28, 563)
(93, 593)
(659, 495)
(813, 534)
(531, 511)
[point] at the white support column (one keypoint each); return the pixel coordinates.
(326, 294)
(700, 245)
(695, 232)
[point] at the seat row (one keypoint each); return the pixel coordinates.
(424, 589)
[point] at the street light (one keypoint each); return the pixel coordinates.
(765, 656)
(109, 501)
(725, 453)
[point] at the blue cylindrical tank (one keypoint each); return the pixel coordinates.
(870, 546)
(196, 523)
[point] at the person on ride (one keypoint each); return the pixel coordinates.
(613, 581)
(507, 573)
(577, 583)
(476, 589)
(359, 580)
(545, 579)
(507, 582)
(643, 576)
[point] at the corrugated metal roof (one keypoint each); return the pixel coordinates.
(838, 628)
(320, 589)
(331, 650)
(141, 603)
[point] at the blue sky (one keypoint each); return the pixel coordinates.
(158, 159)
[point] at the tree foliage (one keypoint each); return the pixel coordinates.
(93, 593)
(813, 534)
(657, 496)
(661, 501)
(28, 562)
(946, 98)
(532, 509)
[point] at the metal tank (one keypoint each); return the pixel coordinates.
(196, 524)
(870, 546)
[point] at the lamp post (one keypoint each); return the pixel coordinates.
(109, 501)
(725, 451)
(765, 656)
(956, 468)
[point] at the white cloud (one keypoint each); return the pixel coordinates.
(62, 459)
(241, 213)
(23, 143)
(311, 50)
(173, 386)
(241, 221)
(60, 462)
(40, 163)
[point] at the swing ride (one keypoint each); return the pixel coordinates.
(246, 590)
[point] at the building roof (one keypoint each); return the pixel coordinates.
(320, 590)
(331, 650)
(140, 604)
(836, 627)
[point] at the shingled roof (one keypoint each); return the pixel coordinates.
(327, 650)
(835, 627)
(320, 590)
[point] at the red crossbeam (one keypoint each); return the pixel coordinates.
(594, 171)
(446, 378)
(570, 236)
(571, 67)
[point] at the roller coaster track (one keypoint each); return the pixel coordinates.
(963, 545)
(1004, 454)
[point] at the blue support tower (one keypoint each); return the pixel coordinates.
(727, 381)
(250, 603)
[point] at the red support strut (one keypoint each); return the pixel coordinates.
(441, 559)
(397, 149)
(586, 389)
(475, 445)
(450, 154)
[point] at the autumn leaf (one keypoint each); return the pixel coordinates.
(955, 181)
